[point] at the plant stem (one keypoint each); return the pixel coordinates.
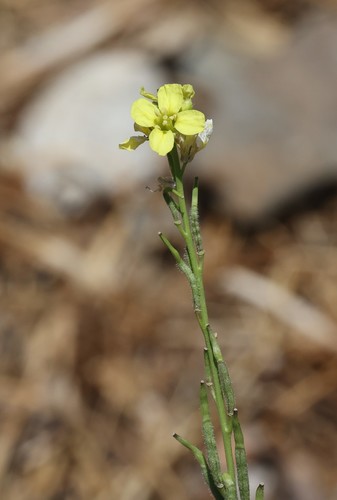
(201, 312)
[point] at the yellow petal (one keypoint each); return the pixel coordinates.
(190, 122)
(144, 113)
(170, 98)
(161, 141)
(132, 143)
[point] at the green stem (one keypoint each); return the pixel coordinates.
(201, 312)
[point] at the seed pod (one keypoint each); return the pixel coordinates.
(208, 373)
(226, 387)
(194, 219)
(209, 437)
(205, 470)
(224, 378)
(240, 459)
(172, 206)
(185, 268)
(215, 346)
(259, 495)
(230, 487)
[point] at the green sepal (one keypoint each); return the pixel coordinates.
(240, 459)
(148, 95)
(205, 470)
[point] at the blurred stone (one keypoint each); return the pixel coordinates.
(66, 142)
(275, 117)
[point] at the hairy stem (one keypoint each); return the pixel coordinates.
(195, 257)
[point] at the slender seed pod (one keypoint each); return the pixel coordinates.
(241, 459)
(230, 487)
(185, 268)
(209, 437)
(172, 249)
(186, 258)
(205, 470)
(215, 346)
(224, 378)
(172, 206)
(259, 495)
(208, 373)
(194, 219)
(226, 387)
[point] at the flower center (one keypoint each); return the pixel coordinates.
(165, 122)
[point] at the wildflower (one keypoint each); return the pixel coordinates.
(164, 117)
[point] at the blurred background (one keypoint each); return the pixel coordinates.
(100, 356)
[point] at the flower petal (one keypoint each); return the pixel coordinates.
(190, 122)
(161, 141)
(170, 98)
(144, 113)
(132, 143)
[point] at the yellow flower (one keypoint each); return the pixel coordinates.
(164, 117)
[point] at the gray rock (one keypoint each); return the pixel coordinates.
(66, 142)
(275, 117)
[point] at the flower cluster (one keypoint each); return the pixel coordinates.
(168, 118)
